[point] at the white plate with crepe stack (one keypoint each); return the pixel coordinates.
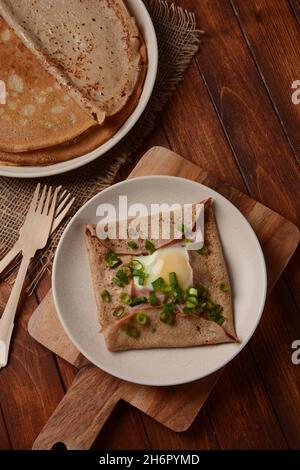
(116, 127)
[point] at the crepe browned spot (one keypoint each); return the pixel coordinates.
(90, 47)
(87, 141)
(188, 330)
(37, 113)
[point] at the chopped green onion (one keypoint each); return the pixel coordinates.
(138, 301)
(186, 310)
(191, 302)
(173, 280)
(167, 316)
(142, 318)
(142, 279)
(149, 247)
(121, 278)
(168, 308)
(137, 267)
(160, 285)
(119, 312)
(203, 251)
(221, 321)
(177, 295)
(112, 260)
(224, 287)
(192, 291)
(106, 295)
(202, 292)
(152, 299)
(131, 331)
(125, 298)
(131, 244)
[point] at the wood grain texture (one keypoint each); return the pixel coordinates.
(228, 127)
(273, 36)
(30, 377)
(266, 161)
(262, 152)
(175, 407)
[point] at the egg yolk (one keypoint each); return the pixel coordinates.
(169, 262)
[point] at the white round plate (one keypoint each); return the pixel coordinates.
(138, 9)
(74, 297)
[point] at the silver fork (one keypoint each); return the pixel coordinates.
(63, 205)
(35, 233)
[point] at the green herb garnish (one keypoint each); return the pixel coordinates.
(203, 251)
(177, 295)
(119, 312)
(167, 318)
(121, 279)
(137, 267)
(131, 331)
(192, 291)
(224, 287)
(191, 302)
(131, 244)
(149, 247)
(112, 260)
(142, 318)
(138, 301)
(106, 295)
(125, 298)
(160, 285)
(173, 281)
(142, 279)
(152, 299)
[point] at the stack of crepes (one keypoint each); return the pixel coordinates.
(73, 73)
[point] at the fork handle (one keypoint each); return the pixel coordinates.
(9, 257)
(8, 316)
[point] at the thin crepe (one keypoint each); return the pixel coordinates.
(85, 142)
(37, 113)
(189, 330)
(91, 47)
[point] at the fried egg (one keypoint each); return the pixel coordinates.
(165, 261)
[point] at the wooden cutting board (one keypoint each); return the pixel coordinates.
(90, 400)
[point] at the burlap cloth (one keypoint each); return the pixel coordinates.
(178, 41)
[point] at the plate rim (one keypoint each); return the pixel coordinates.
(24, 172)
(141, 381)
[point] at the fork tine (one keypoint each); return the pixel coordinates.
(41, 201)
(62, 215)
(34, 200)
(46, 206)
(53, 203)
(62, 203)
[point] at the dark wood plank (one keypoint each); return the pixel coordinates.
(273, 36)
(239, 399)
(272, 347)
(4, 438)
(254, 132)
(235, 86)
(193, 129)
(123, 430)
(30, 385)
(200, 435)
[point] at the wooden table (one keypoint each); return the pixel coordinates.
(234, 116)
